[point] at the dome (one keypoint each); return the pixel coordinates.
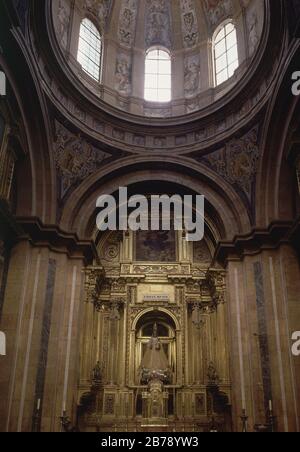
(203, 48)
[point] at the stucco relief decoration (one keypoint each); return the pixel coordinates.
(158, 23)
(202, 253)
(100, 9)
(189, 23)
(238, 161)
(123, 74)
(63, 16)
(253, 37)
(217, 10)
(75, 158)
(192, 75)
(127, 22)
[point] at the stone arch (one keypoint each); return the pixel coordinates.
(274, 171)
(35, 173)
(80, 208)
(146, 311)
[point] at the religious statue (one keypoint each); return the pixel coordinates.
(155, 365)
(97, 373)
(212, 374)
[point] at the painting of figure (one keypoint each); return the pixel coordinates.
(155, 246)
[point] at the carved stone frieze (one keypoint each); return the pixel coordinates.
(205, 296)
(217, 286)
(94, 278)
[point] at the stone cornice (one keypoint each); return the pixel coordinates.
(259, 239)
(54, 238)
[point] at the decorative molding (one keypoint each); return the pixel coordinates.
(51, 236)
(258, 239)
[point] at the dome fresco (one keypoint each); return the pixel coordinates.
(186, 29)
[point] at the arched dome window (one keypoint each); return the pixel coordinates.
(225, 49)
(90, 49)
(158, 76)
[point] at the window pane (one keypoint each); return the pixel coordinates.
(158, 76)
(164, 67)
(162, 55)
(232, 55)
(164, 95)
(151, 81)
(220, 48)
(151, 67)
(220, 35)
(221, 63)
(231, 40)
(164, 82)
(151, 94)
(225, 53)
(229, 28)
(222, 77)
(232, 68)
(89, 49)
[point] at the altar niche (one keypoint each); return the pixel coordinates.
(163, 329)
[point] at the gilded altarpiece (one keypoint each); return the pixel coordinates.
(186, 302)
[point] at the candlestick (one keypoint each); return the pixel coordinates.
(270, 406)
(38, 405)
(244, 419)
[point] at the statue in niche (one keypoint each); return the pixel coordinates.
(212, 375)
(155, 365)
(97, 373)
